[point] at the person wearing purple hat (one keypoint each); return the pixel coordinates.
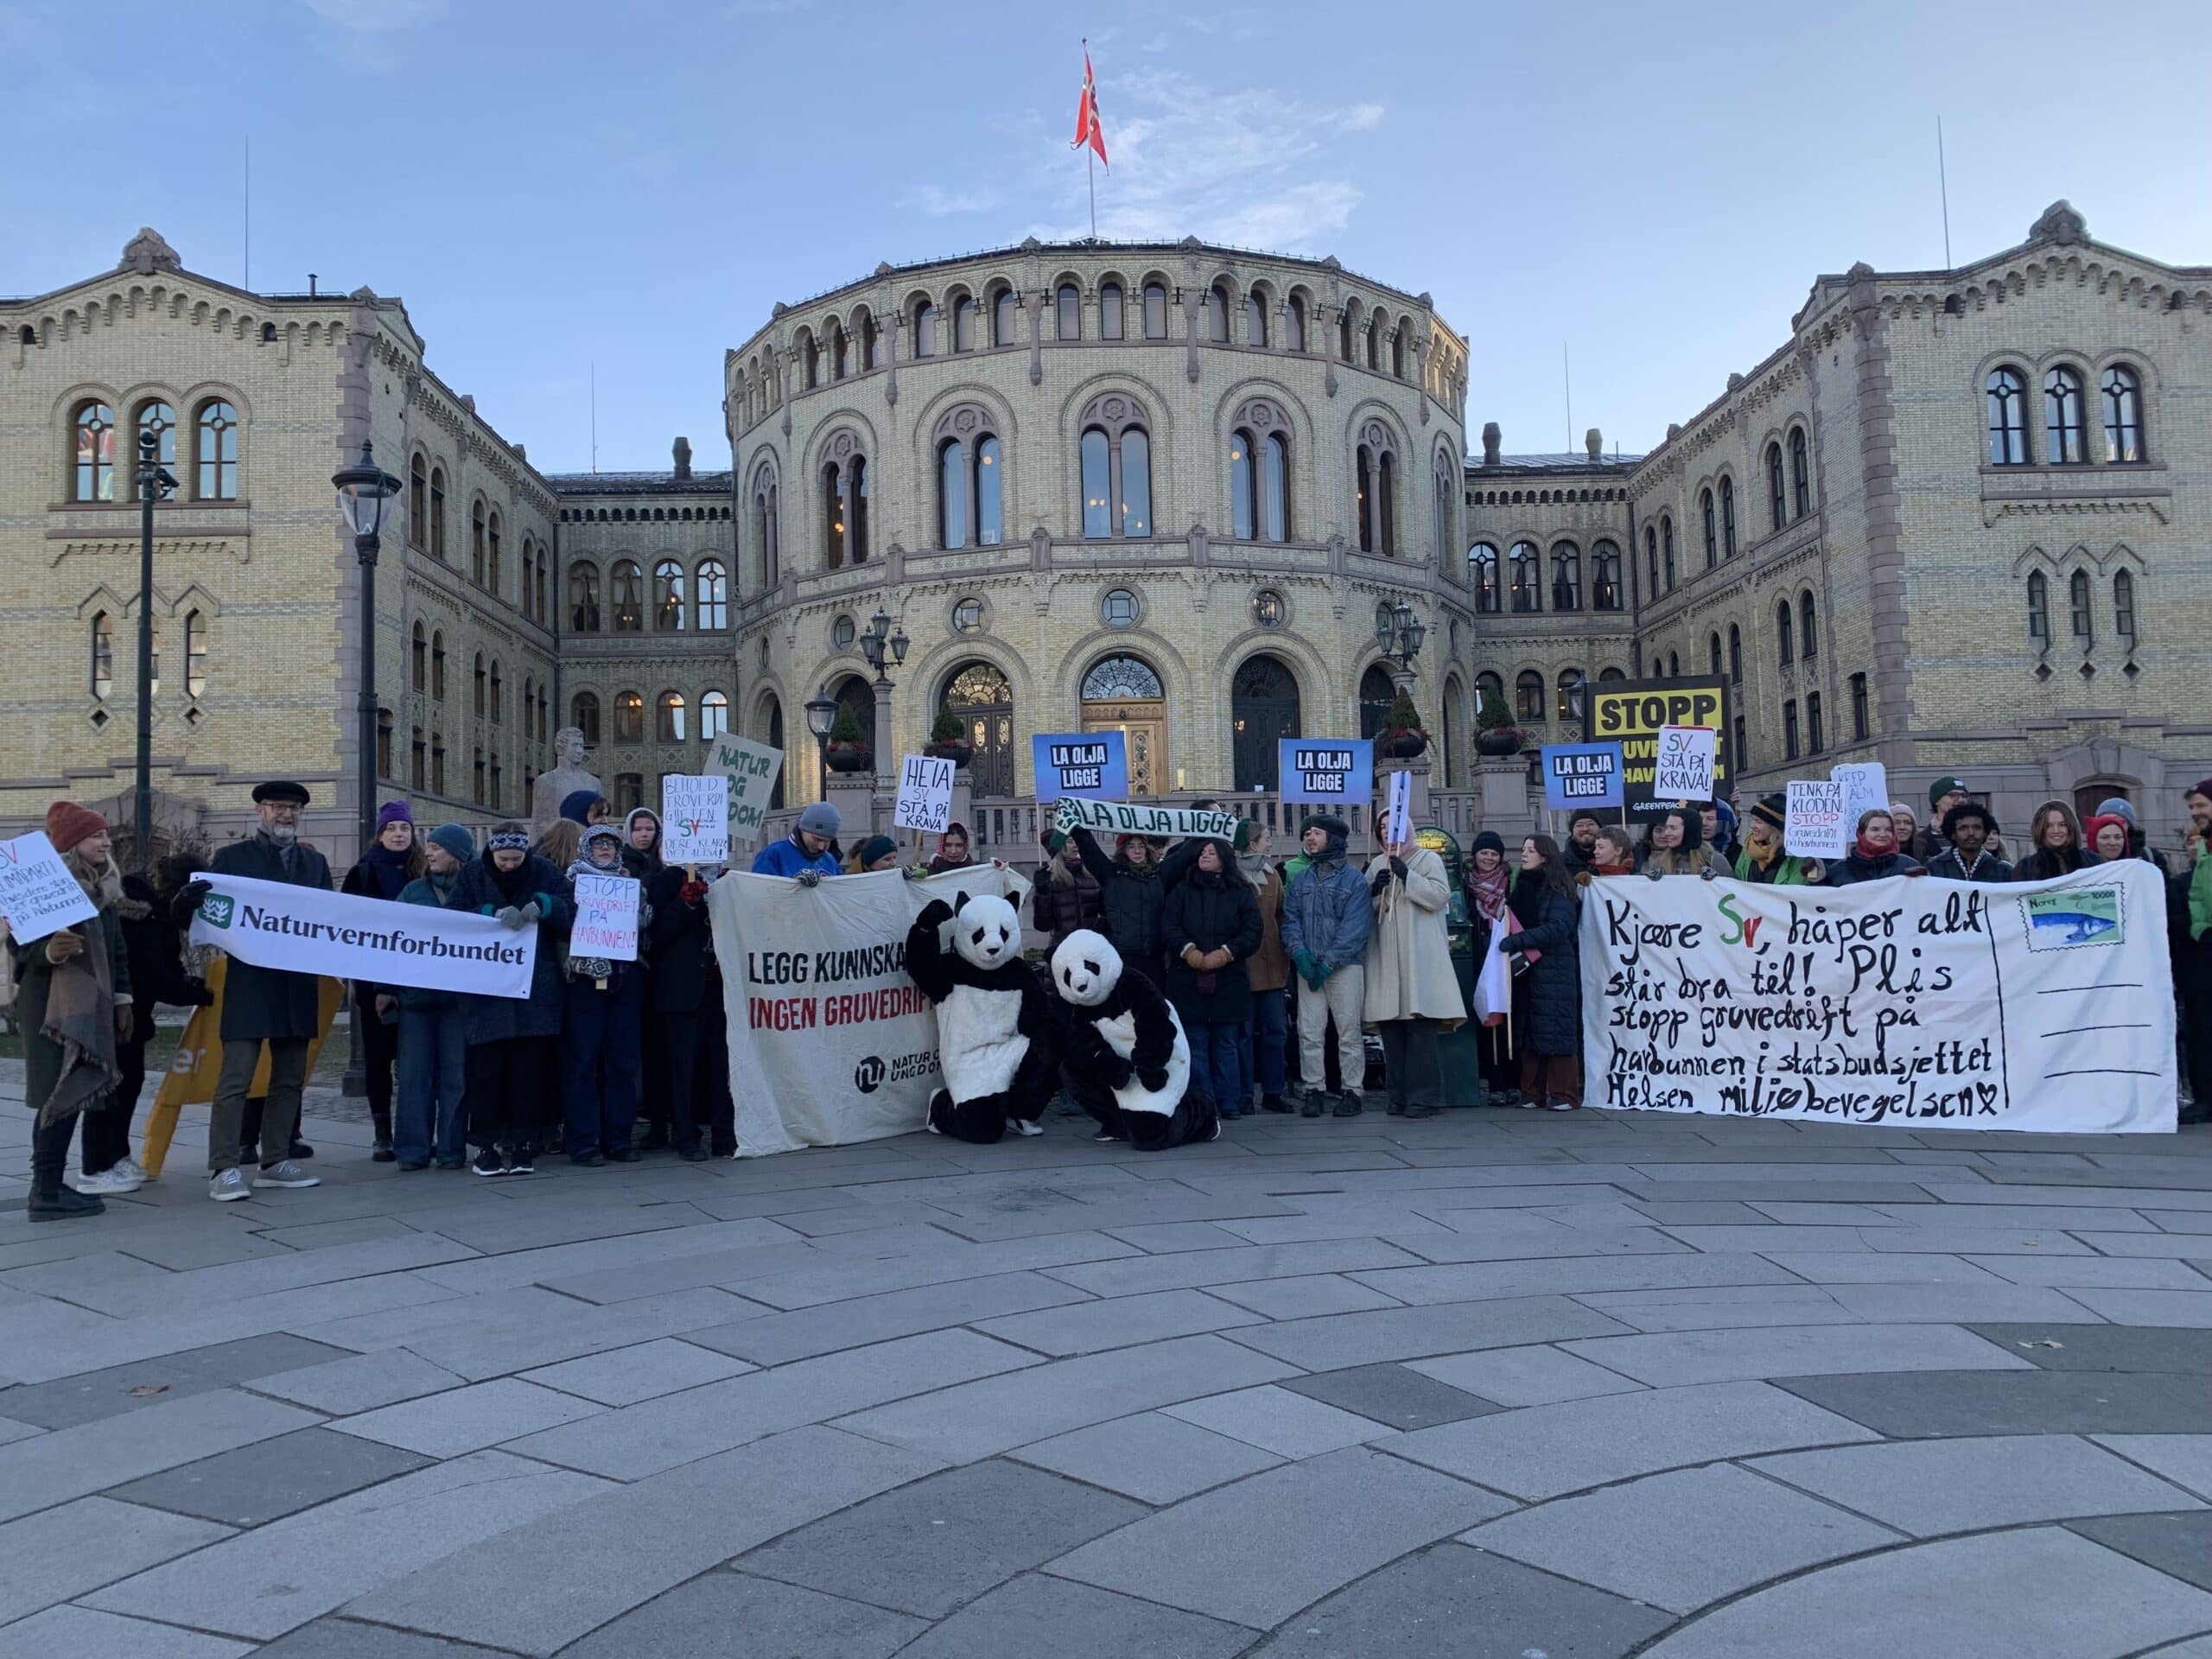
(392, 860)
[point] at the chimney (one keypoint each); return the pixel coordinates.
(1594, 441)
(681, 451)
(1492, 439)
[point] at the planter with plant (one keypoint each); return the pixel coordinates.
(1494, 733)
(949, 739)
(1403, 737)
(847, 749)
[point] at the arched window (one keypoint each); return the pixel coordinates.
(1115, 460)
(1816, 739)
(1376, 466)
(1005, 328)
(810, 363)
(1490, 692)
(1344, 333)
(626, 597)
(1809, 627)
(963, 323)
(1529, 697)
(668, 717)
(2038, 610)
(1777, 499)
(437, 664)
(438, 513)
(1735, 654)
(1801, 470)
(714, 716)
(1255, 317)
(1375, 342)
(1398, 350)
(491, 559)
(422, 659)
(159, 419)
(2123, 606)
(1711, 528)
(1727, 517)
(215, 451)
(1444, 487)
(437, 763)
(1217, 304)
(1259, 474)
(629, 717)
(583, 714)
(583, 598)
(103, 654)
(1606, 577)
(2007, 397)
(2077, 594)
(765, 529)
(1667, 549)
(710, 594)
(667, 596)
(2064, 443)
(981, 698)
(418, 502)
(1109, 310)
(1263, 709)
(1525, 579)
(1784, 629)
(1712, 653)
(925, 328)
(2123, 398)
(498, 694)
(1155, 311)
(1651, 560)
(871, 342)
(417, 771)
(1566, 576)
(1067, 312)
(476, 543)
(195, 653)
(479, 679)
(529, 711)
(1482, 570)
(1294, 323)
(92, 428)
(1570, 694)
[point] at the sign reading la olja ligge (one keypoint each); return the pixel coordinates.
(1327, 769)
(1086, 765)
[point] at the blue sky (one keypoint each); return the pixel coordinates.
(554, 186)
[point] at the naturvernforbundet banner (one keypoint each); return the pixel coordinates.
(312, 931)
(2043, 1005)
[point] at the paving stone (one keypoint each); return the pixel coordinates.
(36, 1474)
(1956, 1304)
(629, 1247)
(2179, 1546)
(360, 1382)
(1536, 1375)
(1455, 1603)
(645, 1370)
(1170, 1237)
(928, 1547)
(976, 1419)
(1548, 1451)
(467, 1420)
(929, 1260)
(2040, 1590)
(267, 1581)
(1865, 1268)
(2196, 1246)
(2076, 1347)
(1275, 1420)
(86, 1398)
(1341, 1339)
(1683, 1539)
(2180, 1308)
(1038, 1614)
(496, 1348)
(12, 1430)
(257, 1483)
(263, 1276)
(1926, 1487)
(566, 1573)
(1696, 1212)
(83, 1630)
(1117, 1322)
(775, 1338)
(1304, 1296)
(62, 1553)
(2185, 1459)
(734, 1616)
(1722, 1307)
(1195, 1270)
(2178, 1221)
(1393, 1395)
(332, 1638)
(1377, 1508)
(1677, 1357)
(657, 1434)
(1573, 1276)
(1151, 1456)
(2014, 1402)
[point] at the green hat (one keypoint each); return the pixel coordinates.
(1246, 827)
(1943, 786)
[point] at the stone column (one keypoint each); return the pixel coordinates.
(1502, 789)
(853, 793)
(886, 749)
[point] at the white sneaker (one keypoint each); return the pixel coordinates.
(1558, 1105)
(111, 1182)
(285, 1172)
(1023, 1125)
(227, 1186)
(134, 1170)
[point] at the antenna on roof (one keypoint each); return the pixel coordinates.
(1944, 184)
(246, 282)
(594, 416)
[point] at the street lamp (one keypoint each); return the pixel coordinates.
(880, 644)
(155, 485)
(821, 714)
(363, 490)
(1398, 636)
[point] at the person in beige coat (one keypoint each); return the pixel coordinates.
(1412, 994)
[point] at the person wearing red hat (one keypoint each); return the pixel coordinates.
(73, 1005)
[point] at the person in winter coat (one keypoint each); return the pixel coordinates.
(876, 853)
(1412, 996)
(1764, 859)
(2054, 845)
(1716, 825)
(1551, 1039)
(509, 1036)
(431, 1119)
(585, 807)
(262, 1005)
(1327, 922)
(1490, 887)
(1132, 895)
(394, 858)
(809, 853)
(1263, 1058)
(2188, 910)
(1907, 827)
(1967, 829)
(1874, 854)
(641, 844)
(2106, 836)
(602, 1017)
(1067, 896)
(2139, 844)
(641, 833)
(685, 1004)
(1674, 844)
(1944, 794)
(952, 850)
(73, 1003)
(1582, 827)
(1210, 925)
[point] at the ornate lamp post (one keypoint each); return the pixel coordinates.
(1398, 635)
(155, 485)
(363, 490)
(884, 649)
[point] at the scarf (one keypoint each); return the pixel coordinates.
(80, 1005)
(1254, 867)
(388, 869)
(1490, 890)
(1603, 869)
(514, 886)
(2200, 895)
(1761, 853)
(1866, 849)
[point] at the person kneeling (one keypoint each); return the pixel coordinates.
(1129, 1061)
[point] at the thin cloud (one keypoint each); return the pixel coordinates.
(376, 16)
(940, 203)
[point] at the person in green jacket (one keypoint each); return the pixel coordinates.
(1762, 859)
(73, 1005)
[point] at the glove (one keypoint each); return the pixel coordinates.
(1653, 871)
(1397, 866)
(1302, 960)
(808, 878)
(187, 901)
(1706, 871)
(198, 996)
(1378, 882)
(512, 918)
(1322, 969)
(914, 872)
(693, 893)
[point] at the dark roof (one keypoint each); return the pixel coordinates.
(639, 484)
(1570, 461)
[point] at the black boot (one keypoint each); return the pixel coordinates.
(381, 1153)
(49, 1199)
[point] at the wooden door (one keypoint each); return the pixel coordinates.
(1143, 725)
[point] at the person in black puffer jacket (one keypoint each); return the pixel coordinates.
(1551, 1044)
(511, 1075)
(1874, 854)
(683, 998)
(1211, 924)
(1132, 895)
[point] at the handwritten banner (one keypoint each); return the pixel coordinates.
(37, 893)
(2043, 1005)
(695, 818)
(1866, 789)
(606, 918)
(1327, 770)
(752, 769)
(1683, 770)
(1122, 818)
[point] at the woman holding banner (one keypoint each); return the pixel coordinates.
(429, 1120)
(509, 1036)
(394, 858)
(602, 1018)
(1874, 855)
(1412, 994)
(1489, 885)
(1132, 896)
(1551, 1047)
(2054, 845)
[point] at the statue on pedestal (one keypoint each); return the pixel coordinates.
(567, 777)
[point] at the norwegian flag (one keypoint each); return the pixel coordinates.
(1087, 130)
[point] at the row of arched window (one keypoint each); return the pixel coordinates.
(1530, 695)
(2081, 609)
(703, 607)
(1520, 586)
(210, 474)
(103, 654)
(2063, 435)
(641, 515)
(1798, 632)
(671, 717)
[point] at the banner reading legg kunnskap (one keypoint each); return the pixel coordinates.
(314, 931)
(2043, 1005)
(830, 1040)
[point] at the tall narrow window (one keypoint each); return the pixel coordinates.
(1398, 352)
(418, 503)
(498, 694)
(668, 717)
(988, 483)
(2123, 396)
(93, 427)
(583, 714)
(2007, 396)
(476, 543)
(1651, 561)
(215, 450)
(1713, 654)
(437, 665)
(1255, 318)
(1343, 333)
(925, 328)
(1570, 694)
(2064, 443)
(1529, 697)
(422, 653)
(1097, 518)
(1243, 497)
(1712, 524)
(1727, 517)
(1155, 311)
(1809, 627)
(629, 717)
(1566, 576)
(714, 716)
(1606, 577)
(418, 752)
(1109, 311)
(810, 363)
(1375, 342)
(2078, 596)
(583, 598)
(159, 419)
(1741, 747)
(195, 653)
(438, 513)
(1274, 487)
(1860, 729)
(1816, 739)
(628, 597)
(952, 493)
(1294, 323)
(1667, 549)
(1801, 470)
(1482, 567)
(1217, 314)
(1789, 730)
(437, 763)
(103, 654)
(1735, 654)
(963, 323)
(2123, 607)
(491, 559)
(1006, 318)
(1777, 499)
(1784, 628)
(1067, 312)
(2038, 610)
(710, 591)
(1526, 580)
(476, 783)
(479, 677)
(1136, 483)
(871, 342)
(667, 596)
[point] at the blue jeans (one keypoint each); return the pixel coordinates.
(1265, 1049)
(600, 1044)
(433, 1064)
(1213, 1063)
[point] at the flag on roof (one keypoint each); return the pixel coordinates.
(1087, 130)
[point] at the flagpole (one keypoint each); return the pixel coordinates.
(1090, 177)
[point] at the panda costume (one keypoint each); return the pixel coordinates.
(997, 1039)
(1128, 1062)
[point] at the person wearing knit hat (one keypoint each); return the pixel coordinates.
(427, 1118)
(1582, 826)
(809, 853)
(2139, 844)
(1762, 858)
(388, 863)
(1926, 842)
(1328, 921)
(584, 806)
(876, 853)
(602, 1023)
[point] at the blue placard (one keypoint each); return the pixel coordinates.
(1089, 765)
(1582, 774)
(1332, 770)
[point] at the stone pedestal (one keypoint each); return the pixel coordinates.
(1501, 786)
(853, 793)
(1417, 808)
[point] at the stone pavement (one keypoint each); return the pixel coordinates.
(1502, 1383)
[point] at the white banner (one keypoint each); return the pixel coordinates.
(2044, 1005)
(752, 769)
(1121, 819)
(37, 893)
(314, 931)
(925, 795)
(830, 1040)
(606, 917)
(695, 818)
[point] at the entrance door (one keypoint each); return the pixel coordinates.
(981, 697)
(1122, 693)
(1264, 710)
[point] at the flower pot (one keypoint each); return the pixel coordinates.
(959, 753)
(848, 757)
(1402, 746)
(1500, 741)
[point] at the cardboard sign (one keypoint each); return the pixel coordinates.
(752, 769)
(1684, 768)
(1815, 825)
(1397, 809)
(1327, 770)
(1088, 766)
(1581, 774)
(924, 794)
(695, 818)
(1866, 787)
(37, 893)
(606, 918)
(1631, 712)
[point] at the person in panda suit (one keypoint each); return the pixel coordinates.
(1129, 1060)
(997, 1036)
